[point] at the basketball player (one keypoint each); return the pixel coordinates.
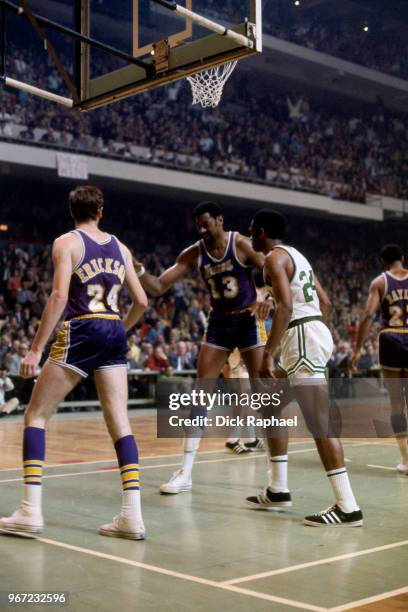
(90, 268)
(306, 345)
(235, 369)
(390, 292)
(225, 261)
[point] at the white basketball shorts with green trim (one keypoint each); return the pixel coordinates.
(306, 348)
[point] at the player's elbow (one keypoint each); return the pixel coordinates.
(286, 309)
(155, 292)
(143, 301)
(60, 297)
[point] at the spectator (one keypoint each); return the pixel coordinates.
(157, 362)
(6, 385)
(181, 359)
(13, 359)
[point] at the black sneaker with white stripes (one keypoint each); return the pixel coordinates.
(267, 499)
(256, 445)
(237, 447)
(335, 517)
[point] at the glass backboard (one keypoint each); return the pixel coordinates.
(137, 27)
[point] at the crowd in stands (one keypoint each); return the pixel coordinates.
(167, 339)
(284, 140)
(343, 37)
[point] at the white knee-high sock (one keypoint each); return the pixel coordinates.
(191, 446)
(403, 446)
(342, 490)
(131, 504)
(278, 474)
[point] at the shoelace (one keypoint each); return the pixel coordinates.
(263, 496)
(239, 448)
(176, 474)
(323, 512)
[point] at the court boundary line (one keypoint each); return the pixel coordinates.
(383, 467)
(317, 562)
(187, 577)
(163, 465)
(368, 600)
(151, 467)
(230, 584)
(114, 460)
(229, 587)
(213, 452)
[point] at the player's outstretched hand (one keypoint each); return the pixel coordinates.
(264, 309)
(267, 367)
(29, 364)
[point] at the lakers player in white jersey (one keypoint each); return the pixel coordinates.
(306, 345)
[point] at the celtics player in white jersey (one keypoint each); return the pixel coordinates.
(305, 345)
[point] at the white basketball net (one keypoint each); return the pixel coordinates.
(207, 86)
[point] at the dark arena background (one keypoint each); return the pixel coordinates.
(315, 127)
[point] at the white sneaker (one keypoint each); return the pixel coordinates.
(177, 484)
(402, 468)
(22, 521)
(121, 527)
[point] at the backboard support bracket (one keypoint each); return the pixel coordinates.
(161, 54)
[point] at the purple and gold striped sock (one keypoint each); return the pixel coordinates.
(128, 459)
(33, 465)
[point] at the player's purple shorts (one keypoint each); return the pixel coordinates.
(89, 344)
(228, 331)
(394, 350)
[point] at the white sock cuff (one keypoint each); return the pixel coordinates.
(279, 459)
(191, 444)
(336, 472)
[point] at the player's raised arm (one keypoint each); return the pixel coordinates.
(136, 291)
(158, 285)
(277, 271)
(324, 300)
(373, 304)
(62, 257)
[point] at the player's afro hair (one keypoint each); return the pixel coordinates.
(272, 222)
(212, 208)
(391, 252)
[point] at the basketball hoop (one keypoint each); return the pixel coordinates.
(207, 86)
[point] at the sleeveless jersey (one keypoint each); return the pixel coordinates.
(97, 279)
(229, 281)
(304, 296)
(394, 306)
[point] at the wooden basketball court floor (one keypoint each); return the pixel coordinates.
(204, 550)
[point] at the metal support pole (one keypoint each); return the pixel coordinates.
(53, 25)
